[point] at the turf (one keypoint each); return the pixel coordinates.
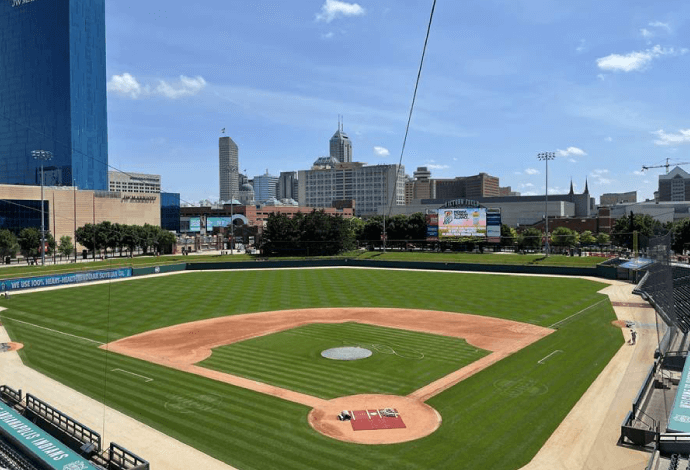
(496, 419)
(401, 361)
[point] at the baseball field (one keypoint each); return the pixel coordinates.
(229, 362)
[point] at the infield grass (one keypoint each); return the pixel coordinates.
(401, 361)
(497, 419)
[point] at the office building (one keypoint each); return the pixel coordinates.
(170, 211)
(421, 186)
(372, 188)
(468, 187)
(134, 182)
(228, 171)
(674, 186)
(611, 199)
(287, 185)
(53, 92)
(265, 187)
(341, 146)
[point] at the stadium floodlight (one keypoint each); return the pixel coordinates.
(546, 156)
(43, 156)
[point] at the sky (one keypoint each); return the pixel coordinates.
(604, 85)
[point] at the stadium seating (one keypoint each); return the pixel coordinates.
(12, 459)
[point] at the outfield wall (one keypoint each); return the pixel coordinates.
(607, 272)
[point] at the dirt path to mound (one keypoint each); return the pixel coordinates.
(182, 346)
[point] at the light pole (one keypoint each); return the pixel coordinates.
(546, 156)
(43, 156)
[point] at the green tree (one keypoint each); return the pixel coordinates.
(587, 238)
(86, 236)
(66, 247)
(645, 225)
(29, 241)
(509, 236)
(681, 235)
(530, 238)
(8, 244)
(603, 239)
(564, 237)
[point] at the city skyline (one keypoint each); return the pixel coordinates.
(600, 85)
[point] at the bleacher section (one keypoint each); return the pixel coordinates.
(36, 436)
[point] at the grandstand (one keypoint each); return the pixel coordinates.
(659, 421)
(36, 436)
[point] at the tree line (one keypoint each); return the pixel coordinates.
(99, 237)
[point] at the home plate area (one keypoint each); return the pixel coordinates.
(369, 420)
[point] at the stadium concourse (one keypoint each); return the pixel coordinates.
(586, 439)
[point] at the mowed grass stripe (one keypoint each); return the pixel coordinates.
(292, 360)
(481, 427)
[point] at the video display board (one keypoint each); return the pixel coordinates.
(212, 222)
(454, 223)
(195, 224)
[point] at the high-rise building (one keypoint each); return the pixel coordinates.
(265, 187)
(611, 199)
(53, 92)
(674, 186)
(341, 146)
(372, 188)
(468, 187)
(421, 186)
(228, 171)
(287, 185)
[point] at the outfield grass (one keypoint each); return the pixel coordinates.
(496, 419)
(485, 258)
(402, 361)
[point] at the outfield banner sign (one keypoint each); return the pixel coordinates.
(679, 421)
(454, 223)
(39, 443)
(63, 279)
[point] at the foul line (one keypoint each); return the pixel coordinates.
(574, 314)
(146, 379)
(54, 331)
(541, 361)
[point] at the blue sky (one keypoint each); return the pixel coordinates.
(602, 84)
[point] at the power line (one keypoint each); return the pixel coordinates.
(409, 117)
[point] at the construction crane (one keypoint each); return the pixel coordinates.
(667, 165)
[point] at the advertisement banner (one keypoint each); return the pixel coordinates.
(493, 225)
(454, 223)
(9, 285)
(212, 222)
(195, 224)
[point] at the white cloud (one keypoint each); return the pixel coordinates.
(333, 9)
(532, 171)
(636, 60)
(599, 176)
(437, 167)
(526, 185)
(682, 137)
(647, 34)
(572, 160)
(581, 47)
(125, 85)
(638, 172)
(185, 87)
(128, 85)
(659, 24)
(601, 77)
(609, 139)
(381, 151)
(328, 35)
(570, 151)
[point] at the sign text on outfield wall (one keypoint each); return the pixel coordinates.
(62, 279)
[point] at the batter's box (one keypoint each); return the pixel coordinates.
(369, 420)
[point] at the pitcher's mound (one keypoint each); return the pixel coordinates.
(420, 419)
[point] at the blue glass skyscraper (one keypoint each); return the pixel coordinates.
(53, 92)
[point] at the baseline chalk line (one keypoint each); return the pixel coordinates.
(146, 379)
(53, 331)
(541, 361)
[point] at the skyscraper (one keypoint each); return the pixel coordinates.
(341, 145)
(53, 92)
(228, 168)
(265, 187)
